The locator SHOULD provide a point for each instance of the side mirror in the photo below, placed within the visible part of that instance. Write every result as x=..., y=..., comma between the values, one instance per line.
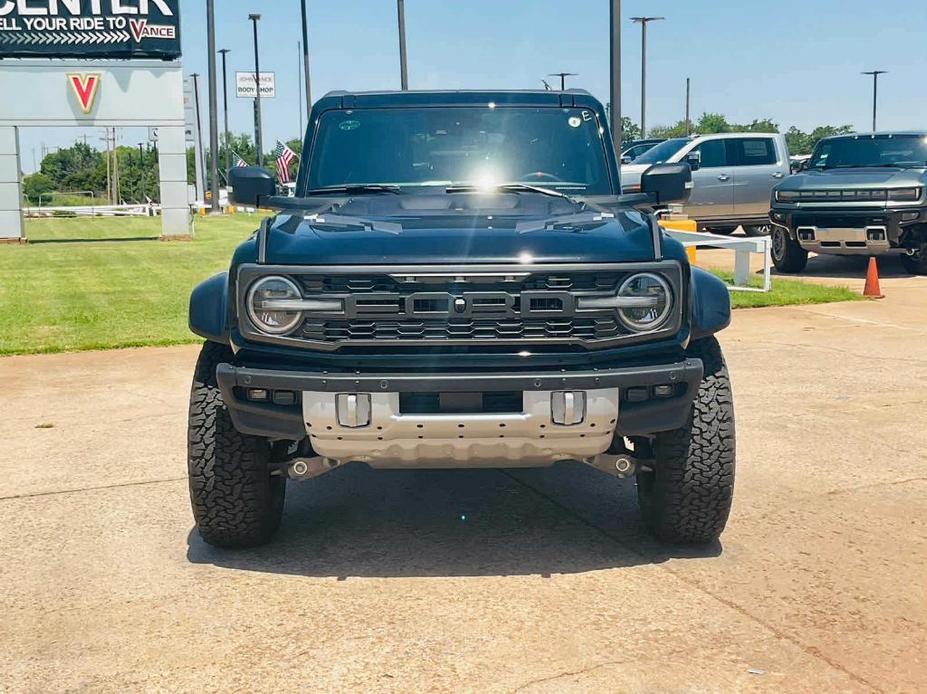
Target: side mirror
x=694, y=160
x=625, y=159
x=248, y=184
x=667, y=183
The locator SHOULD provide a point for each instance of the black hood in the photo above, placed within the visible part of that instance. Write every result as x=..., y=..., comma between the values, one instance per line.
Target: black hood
x=459, y=230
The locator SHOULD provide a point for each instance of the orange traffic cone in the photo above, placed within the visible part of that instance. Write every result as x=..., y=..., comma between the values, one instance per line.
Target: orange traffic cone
x=872, y=288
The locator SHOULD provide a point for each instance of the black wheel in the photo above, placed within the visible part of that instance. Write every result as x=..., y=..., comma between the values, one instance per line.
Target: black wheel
x=236, y=502
x=758, y=229
x=723, y=231
x=916, y=264
x=787, y=255
x=685, y=498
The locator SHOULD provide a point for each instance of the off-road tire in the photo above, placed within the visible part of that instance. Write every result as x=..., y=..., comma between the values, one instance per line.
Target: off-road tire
x=685, y=497
x=787, y=255
x=236, y=502
x=917, y=264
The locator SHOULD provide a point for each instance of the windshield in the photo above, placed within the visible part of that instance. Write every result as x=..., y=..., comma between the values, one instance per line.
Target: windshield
x=560, y=148
x=663, y=151
x=870, y=150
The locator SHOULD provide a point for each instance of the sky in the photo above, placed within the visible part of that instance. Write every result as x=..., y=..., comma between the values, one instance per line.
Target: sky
x=797, y=62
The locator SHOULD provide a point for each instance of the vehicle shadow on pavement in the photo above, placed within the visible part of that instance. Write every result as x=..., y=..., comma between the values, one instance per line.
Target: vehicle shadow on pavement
x=357, y=522
x=847, y=267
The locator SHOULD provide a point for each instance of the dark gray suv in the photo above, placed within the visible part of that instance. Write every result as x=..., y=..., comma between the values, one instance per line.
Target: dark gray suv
x=856, y=195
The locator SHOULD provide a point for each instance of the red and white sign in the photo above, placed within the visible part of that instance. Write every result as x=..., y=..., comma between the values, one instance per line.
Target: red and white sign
x=85, y=88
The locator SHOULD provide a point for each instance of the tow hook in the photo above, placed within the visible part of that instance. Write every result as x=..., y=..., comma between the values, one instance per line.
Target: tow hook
x=309, y=468
x=621, y=466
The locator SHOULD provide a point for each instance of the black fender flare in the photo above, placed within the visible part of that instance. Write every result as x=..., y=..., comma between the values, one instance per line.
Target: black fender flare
x=711, y=304
x=209, y=315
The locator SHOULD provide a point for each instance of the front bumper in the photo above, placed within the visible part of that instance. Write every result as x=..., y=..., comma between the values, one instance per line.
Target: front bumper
x=849, y=231
x=615, y=406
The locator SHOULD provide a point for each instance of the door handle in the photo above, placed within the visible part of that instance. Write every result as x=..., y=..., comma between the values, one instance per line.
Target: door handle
x=723, y=177
x=778, y=174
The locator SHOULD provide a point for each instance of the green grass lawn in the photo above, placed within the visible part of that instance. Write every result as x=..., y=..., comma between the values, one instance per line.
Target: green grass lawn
x=77, y=286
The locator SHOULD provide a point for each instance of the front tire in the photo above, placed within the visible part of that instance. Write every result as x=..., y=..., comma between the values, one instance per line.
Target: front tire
x=916, y=264
x=236, y=502
x=685, y=498
x=787, y=255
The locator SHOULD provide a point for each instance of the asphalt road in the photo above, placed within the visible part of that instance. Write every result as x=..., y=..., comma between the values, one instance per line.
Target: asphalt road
x=485, y=580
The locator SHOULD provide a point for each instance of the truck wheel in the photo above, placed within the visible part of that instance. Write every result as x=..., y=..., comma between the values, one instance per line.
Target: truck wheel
x=787, y=255
x=236, y=502
x=916, y=264
x=722, y=231
x=685, y=498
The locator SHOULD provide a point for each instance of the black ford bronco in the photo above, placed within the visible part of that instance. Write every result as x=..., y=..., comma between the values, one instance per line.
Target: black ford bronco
x=857, y=195
x=459, y=283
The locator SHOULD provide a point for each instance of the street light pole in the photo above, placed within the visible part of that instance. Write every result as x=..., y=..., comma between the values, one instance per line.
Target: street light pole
x=258, y=137
x=688, y=102
x=875, y=93
x=615, y=64
x=213, y=105
x=225, y=109
x=643, y=21
x=403, y=60
x=306, y=61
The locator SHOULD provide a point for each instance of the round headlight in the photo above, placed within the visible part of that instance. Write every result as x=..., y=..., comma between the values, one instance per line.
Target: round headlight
x=654, y=298
x=264, y=308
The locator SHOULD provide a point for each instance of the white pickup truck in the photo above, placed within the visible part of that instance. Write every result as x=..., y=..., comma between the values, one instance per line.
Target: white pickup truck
x=733, y=176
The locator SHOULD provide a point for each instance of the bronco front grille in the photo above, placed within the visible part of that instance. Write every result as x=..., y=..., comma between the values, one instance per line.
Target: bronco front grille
x=472, y=305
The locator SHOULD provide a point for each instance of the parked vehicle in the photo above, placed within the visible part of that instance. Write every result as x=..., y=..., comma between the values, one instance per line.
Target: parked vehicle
x=857, y=195
x=633, y=149
x=733, y=177
x=458, y=284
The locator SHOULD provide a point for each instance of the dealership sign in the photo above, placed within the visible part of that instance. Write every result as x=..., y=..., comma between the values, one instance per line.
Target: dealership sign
x=85, y=89
x=244, y=85
x=90, y=29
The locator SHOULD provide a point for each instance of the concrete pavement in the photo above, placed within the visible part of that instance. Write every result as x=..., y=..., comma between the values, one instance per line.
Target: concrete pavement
x=484, y=580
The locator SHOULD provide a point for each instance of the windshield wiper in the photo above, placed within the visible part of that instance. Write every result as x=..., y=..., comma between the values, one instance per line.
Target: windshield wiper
x=510, y=188
x=355, y=189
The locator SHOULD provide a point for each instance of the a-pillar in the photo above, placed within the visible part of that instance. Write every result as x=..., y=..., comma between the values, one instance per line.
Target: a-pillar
x=172, y=161
x=11, y=193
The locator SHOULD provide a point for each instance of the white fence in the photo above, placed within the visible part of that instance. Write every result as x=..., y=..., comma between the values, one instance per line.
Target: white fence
x=94, y=211
x=742, y=247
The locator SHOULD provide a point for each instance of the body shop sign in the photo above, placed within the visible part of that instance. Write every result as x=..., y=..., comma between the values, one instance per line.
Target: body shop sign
x=90, y=29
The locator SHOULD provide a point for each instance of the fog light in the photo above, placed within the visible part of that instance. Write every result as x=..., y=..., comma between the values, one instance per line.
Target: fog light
x=875, y=235
x=664, y=391
x=568, y=408
x=284, y=397
x=353, y=409
x=806, y=234
x=258, y=394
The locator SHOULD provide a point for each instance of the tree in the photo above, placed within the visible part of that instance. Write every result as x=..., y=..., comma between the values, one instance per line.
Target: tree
x=678, y=129
x=803, y=143
x=630, y=130
x=38, y=188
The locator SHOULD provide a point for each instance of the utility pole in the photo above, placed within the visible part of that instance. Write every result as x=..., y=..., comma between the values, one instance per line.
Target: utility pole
x=225, y=110
x=141, y=169
x=300, y=71
x=403, y=60
x=875, y=93
x=258, y=137
x=306, y=61
x=563, y=76
x=688, y=102
x=643, y=21
x=198, y=149
x=213, y=106
x=615, y=65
